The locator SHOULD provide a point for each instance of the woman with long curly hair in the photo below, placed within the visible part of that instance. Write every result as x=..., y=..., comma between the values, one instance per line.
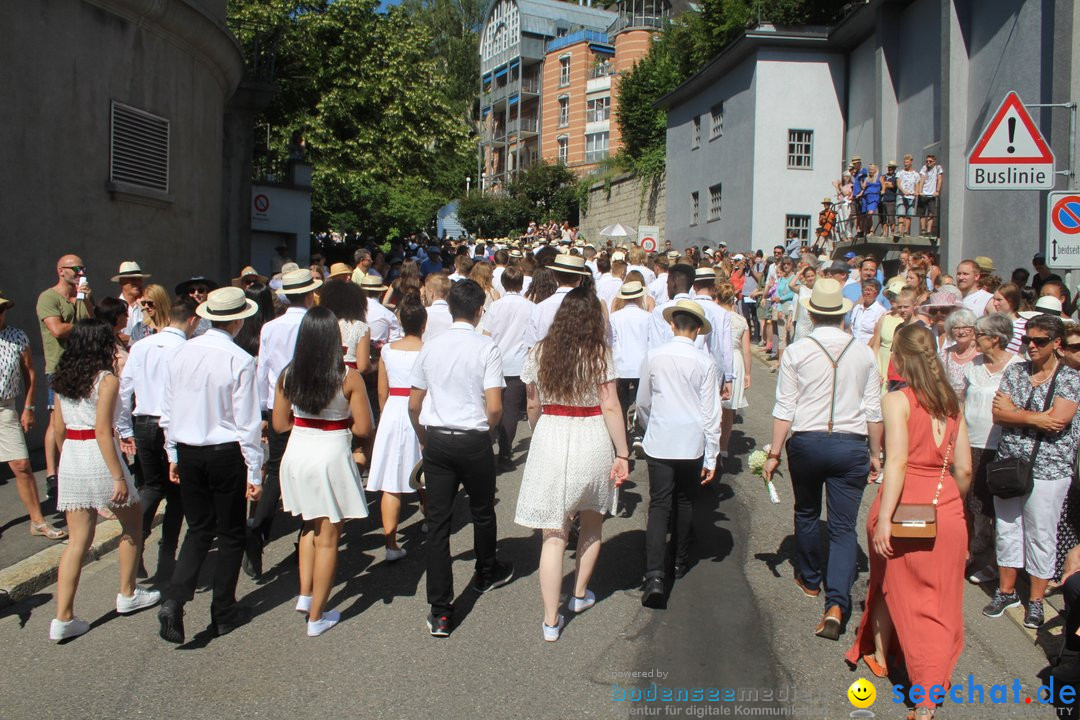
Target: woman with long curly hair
x=482, y=273
x=347, y=302
x=578, y=452
x=406, y=283
x=914, y=605
x=92, y=474
x=544, y=284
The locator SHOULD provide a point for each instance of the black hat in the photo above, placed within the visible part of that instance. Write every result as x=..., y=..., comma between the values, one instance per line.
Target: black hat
x=182, y=288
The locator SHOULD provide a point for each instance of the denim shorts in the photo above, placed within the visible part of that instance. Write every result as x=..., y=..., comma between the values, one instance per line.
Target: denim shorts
x=52, y=395
x=905, y=206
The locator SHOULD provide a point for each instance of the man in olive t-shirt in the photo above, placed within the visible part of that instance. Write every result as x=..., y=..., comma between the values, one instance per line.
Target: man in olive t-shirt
x=58, y=309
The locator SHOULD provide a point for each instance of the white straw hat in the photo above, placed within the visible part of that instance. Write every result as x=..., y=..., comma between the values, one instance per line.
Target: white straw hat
x=573, y=264
x=227, y=303
x=631, y=290
x=688, y=306
x=298, y=282
x=129, y=269
x=827, y=299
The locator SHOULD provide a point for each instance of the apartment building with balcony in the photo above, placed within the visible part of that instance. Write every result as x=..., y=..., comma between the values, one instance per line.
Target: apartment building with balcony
x=550, y=81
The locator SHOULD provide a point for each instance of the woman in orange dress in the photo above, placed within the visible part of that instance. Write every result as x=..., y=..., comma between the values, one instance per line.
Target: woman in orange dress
x=914, y=605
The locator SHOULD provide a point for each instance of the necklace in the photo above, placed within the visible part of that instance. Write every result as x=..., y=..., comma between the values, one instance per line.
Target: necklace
x=1047, y=372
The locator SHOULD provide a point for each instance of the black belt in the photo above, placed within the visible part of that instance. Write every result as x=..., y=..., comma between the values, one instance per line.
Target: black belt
x=453, y=431
x=827, y=434
x=147, y=418
x=212, y=448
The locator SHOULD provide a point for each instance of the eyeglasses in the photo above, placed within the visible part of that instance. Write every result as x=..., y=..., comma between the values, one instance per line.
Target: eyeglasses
x=147, y=304
x=1071, y=347
x=198, y=291
x=963, y=330
x=75, y=268
x=1040, y=342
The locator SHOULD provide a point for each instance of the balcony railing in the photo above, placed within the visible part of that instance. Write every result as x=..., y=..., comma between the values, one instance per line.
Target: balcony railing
x=604, y=69
x=592, y=36
x=531, y=85
x=523, y=125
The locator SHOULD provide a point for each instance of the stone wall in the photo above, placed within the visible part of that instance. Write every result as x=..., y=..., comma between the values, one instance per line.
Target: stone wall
x=623, y=202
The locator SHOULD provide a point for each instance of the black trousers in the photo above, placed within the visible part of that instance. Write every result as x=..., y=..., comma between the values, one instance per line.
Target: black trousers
x=673, y=487
x=513, y=400
x=150, y=444
x=451, y=462
x=267, y=507
x=749, y=311
x=213, y=484
x=1071, y=591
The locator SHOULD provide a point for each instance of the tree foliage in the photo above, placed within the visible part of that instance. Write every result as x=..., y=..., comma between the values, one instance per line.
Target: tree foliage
x=546, y=191
x=386, y=143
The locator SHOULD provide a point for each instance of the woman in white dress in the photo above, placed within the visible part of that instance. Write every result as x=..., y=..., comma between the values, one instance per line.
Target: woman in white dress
x=740, y=362
x=578, y=453
x=397, y=449
x=804, y=283
x=346, y=300
x=92, y=474
x=320, y=401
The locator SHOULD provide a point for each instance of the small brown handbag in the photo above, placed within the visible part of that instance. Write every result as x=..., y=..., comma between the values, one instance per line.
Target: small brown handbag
x=918, y=521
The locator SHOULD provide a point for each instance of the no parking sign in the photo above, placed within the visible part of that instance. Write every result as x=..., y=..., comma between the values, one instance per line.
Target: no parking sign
x=1062, y=229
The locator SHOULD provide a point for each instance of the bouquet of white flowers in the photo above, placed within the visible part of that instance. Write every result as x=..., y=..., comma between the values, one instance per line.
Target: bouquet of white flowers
x=757, y=461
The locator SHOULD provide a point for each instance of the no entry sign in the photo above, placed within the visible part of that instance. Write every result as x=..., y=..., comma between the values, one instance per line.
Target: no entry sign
x=1062, y=247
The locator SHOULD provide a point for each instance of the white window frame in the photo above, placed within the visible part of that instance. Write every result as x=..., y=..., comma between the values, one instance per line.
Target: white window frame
x=716, y=199
x=800, y=149
x=716, y=121
x=596, y=155
x=564, y=70
x=800, y=224
x=564, y=149
x=590, y=109
x=564, y=111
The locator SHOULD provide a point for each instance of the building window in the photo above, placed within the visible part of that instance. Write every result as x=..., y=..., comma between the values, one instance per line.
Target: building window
x=564, y=149
x=696, y=137
x=596, y=147
x=714, y=202
x=800, y=149
x=564, y=110
x=798, y=224
x=716, y=115
x=598, y=110
x=695, y=208
x=564, y=71
x=139, y=148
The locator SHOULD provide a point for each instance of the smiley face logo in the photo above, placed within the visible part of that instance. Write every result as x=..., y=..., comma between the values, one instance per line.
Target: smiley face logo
x=861, y=694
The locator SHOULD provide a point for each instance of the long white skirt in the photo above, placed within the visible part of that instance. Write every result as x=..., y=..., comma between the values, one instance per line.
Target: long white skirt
x=738, y=400
x=319, y=478
x=396, y=451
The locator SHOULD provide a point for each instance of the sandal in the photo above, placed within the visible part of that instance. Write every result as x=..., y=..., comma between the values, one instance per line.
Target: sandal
x=878, y=670
x=48, y=531
x=106, y=514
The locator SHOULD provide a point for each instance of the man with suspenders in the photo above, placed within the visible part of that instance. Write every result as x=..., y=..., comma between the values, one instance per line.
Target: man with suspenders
x=828, y=396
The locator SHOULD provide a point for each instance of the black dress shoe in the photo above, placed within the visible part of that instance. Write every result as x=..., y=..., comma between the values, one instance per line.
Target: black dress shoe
x=681, y=569
x=171, y=617
x=501, y=575
x=653, y=596
x=240, y=616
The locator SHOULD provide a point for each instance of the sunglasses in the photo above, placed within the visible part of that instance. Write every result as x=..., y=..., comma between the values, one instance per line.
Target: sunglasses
x=1040, y=342
x=1071, y=347
x=75, y=268
x=147, y=304
x=198, y=291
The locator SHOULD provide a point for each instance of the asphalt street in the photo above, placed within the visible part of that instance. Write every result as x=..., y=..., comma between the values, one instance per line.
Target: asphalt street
x=736, y=626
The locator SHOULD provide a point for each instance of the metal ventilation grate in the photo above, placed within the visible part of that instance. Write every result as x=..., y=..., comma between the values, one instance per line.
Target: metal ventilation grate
x=139, y=152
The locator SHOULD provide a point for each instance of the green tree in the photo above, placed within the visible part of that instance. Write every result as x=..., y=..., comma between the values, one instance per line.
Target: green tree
x=546, y=191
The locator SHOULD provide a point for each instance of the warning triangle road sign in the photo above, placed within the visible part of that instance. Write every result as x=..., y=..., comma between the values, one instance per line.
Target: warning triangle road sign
x=1011, y=138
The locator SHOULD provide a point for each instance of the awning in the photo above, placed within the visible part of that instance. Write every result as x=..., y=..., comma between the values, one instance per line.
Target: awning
x=500, y=72
x=513, y=99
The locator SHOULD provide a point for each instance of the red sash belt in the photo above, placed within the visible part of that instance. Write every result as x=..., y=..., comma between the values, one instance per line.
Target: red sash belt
x=320, y=424
x=571, y=410
x=81, y=434
x=351, y=363
x=401, y=392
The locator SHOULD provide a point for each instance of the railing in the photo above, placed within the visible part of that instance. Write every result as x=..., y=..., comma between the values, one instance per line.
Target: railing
x=531, y=85
x=593, y=36
x=525, y=124
x=604, y=69
x=638, y=20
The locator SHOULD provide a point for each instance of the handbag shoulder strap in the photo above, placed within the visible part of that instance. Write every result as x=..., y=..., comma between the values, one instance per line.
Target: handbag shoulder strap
x=835, y=366
x=1046, y=406
x=945, y=463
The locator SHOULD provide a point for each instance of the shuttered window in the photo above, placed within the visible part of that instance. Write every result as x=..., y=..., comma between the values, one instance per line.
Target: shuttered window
x=139, y=148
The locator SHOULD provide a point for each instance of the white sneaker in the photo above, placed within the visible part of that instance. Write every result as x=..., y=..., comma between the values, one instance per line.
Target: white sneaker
x=139, y=599
x=328, y=620
x=551, y=634
x=303, y=604
x=983, y=576
x=394, y=554
x=581, y=604
x=62, y=630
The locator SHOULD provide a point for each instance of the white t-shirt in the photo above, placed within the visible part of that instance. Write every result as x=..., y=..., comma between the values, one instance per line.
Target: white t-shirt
x=906, y=180
x=930, y=179
x=977, y=301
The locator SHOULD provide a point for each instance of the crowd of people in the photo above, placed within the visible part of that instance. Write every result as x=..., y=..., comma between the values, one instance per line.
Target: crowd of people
x=955, y=393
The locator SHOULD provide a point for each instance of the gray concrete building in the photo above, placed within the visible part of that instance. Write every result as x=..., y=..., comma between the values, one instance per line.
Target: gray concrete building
x=112, y=125
x=910, y=76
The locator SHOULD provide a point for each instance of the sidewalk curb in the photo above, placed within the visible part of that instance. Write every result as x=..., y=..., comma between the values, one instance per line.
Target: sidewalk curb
x=29, y=575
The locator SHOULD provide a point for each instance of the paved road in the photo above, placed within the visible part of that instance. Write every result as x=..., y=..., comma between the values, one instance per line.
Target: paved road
x=735, y=622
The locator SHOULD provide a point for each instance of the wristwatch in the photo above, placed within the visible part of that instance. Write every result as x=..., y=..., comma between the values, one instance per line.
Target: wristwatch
x=31, y=408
